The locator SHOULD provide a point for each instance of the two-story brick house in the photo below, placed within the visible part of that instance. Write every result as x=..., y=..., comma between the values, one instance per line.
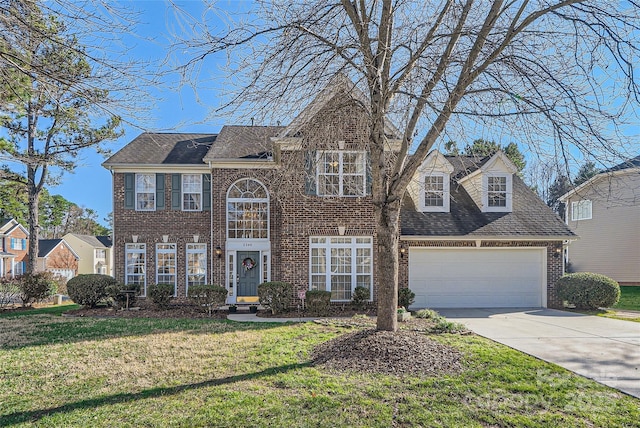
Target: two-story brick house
x=292, y=203
x=14, y=247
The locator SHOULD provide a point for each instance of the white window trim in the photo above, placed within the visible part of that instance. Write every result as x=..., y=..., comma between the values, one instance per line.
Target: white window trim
x=327, y=245
x=173, y=251
x=258, y=200
x=485, y=193
x=578, y=207
x=195, y=248
x=341, y=153
x=135, y=185
x=182, y=181
x=446, y=195
x=143, y=251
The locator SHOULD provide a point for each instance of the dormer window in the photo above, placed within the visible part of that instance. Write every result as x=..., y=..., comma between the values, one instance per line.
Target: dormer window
x=435, y=193
x=497, y=192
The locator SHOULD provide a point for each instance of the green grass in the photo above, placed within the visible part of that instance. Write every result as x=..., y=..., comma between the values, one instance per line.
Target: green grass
x=51, y=310
x=629, y=298
x=57, y=371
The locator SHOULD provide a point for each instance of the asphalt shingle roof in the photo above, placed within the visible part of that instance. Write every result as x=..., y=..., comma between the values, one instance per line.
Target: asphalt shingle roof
x=243, y=142
x=631, y=163
x=95, y=241
x=530, y=216
x=164, y=148
x=45, y=246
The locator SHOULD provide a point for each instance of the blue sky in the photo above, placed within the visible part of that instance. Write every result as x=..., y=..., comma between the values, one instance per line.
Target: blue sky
x=178, y=110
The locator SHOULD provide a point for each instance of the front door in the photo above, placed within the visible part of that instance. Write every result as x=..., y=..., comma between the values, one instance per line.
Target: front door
x=248, y=269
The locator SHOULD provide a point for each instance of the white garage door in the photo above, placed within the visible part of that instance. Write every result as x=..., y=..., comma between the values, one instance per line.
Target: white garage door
x=478, y=277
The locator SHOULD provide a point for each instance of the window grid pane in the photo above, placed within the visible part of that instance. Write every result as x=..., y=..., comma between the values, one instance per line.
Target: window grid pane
x=135, y=255
x=166, y=264
x=191, y=192
x=434, y=191
x=247, y=211
x=196, y=264
x=497, y=191
x=341, y=174
x=145, y=192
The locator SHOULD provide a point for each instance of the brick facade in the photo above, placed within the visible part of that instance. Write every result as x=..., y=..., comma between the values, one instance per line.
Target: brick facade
x=20, y=256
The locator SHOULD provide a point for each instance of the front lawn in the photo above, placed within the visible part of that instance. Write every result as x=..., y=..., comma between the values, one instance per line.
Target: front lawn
x=57, y=371
x=629, y=298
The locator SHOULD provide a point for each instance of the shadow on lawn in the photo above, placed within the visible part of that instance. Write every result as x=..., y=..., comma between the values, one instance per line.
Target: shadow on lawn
x=36, y=415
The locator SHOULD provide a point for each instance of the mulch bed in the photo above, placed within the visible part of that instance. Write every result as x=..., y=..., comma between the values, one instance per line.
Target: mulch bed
x=400, y=353
x=145, y=309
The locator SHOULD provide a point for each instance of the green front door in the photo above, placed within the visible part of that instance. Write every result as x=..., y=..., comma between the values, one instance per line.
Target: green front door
x=248, y=269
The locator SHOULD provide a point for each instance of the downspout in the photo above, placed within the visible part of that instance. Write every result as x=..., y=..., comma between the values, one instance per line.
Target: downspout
x=212, y=252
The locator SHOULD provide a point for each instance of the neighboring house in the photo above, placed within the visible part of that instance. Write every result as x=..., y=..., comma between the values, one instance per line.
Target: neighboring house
x=254, y=204
x=95, y=252
x=57, y=257
x=14, y=247
x=605, y=212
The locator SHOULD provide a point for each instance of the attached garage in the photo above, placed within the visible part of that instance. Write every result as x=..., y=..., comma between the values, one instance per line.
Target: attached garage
x=478, y=277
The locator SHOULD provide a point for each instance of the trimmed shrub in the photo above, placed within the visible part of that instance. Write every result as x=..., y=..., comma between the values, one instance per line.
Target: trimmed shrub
x=119, y=293
x=275, y=295
x=360, y=298
x=208, y=297
x=406, y=297
x=318, y=302
x=90, y=289
x=36, y=287
x=9, y=291
x=161, y=294
x=427, y=314
x=443, y=325
x=588, y=290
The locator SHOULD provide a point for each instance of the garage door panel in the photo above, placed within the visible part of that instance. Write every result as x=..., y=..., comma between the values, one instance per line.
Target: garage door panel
x=503, y=277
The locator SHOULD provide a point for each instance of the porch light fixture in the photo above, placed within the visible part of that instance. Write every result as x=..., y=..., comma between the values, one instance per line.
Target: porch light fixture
x=218, y=252
x=134, y=238
x=402, y=251
x=557, y=252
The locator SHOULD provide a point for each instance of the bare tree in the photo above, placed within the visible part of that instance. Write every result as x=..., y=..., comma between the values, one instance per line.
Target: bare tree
x=541, y=71
x=63, y=89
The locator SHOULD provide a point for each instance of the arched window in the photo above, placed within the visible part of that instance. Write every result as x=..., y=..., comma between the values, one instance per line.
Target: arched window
x=247, y=210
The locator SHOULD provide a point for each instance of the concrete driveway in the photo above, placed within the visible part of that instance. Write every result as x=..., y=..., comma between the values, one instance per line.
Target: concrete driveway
x=602, y=349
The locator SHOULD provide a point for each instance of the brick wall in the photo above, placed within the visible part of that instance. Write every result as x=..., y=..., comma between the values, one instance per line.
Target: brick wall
x=150, y=226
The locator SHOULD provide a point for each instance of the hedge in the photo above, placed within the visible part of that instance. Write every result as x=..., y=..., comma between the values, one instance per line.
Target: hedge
x=275, y=295
x=588, y=290
x=90, y=289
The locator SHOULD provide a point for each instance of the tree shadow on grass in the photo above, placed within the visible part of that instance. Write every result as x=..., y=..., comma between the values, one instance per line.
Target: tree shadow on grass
x=36, y=415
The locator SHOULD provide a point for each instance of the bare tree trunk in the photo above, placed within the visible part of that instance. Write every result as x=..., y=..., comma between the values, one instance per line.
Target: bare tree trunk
x=34, y=195
x=388, y=233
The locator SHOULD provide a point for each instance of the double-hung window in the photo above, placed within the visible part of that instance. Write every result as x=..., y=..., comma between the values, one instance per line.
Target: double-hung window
x=340, y=264
x=341, y=173
x=18, y=244
x=192, y=192
x=135, y=266
x=101, y=253
x=498, y=192
x=581, y=210
x=145, y=192
x=435, y=192
x=196, y=264
x=166, y=264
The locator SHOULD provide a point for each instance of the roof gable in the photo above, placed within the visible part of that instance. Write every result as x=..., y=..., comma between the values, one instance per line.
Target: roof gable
x=7, y=226
x=243, y=142
x=436, y=162
x=47, y=246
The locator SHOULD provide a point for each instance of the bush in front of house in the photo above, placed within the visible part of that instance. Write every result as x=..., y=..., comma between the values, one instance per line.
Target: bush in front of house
x=318, y=302
x=207, y=297
x=161, y=294
x=9, y=291
x=275, y=295
x=121, y=295
x=406, y=297
x=360, y=297
x=588, y=290
x=90, y=289
x=36, y=287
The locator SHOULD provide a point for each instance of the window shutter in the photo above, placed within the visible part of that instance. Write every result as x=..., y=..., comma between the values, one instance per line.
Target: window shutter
x=24, y=244
x=368, y=174
x=129, y=191
x=13, y=243
x=176, y=191
x=159, y=191
x=206, y=192
x=310, y=173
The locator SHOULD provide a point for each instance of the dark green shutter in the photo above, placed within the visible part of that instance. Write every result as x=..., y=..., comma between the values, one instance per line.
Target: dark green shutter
x=368, y=172
x=176, y=191
x=310, y=173
x=206, y=192
x=159, y=191
x=129, y=191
